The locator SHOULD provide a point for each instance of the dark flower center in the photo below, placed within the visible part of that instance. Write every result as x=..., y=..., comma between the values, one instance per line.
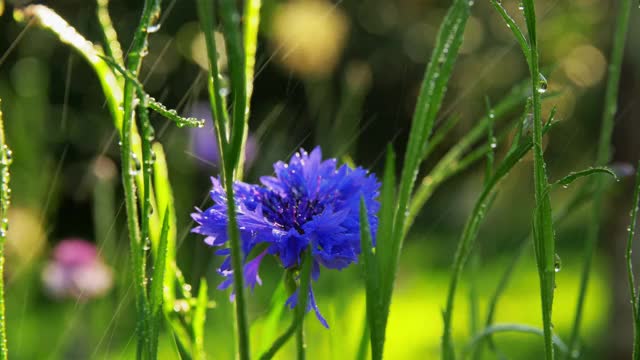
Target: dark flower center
x=289, y=212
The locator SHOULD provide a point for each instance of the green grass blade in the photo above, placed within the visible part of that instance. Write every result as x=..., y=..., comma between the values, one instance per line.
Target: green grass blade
x=451, y=163
x=165, y=205
x=272, y=320
x=206, y=14
x=602, y=158
x=429, y=101
x=633, y=221
x=515, y=29
x=155, y=295
x=567, y=180
x=251, y=25
x=544, y=237
x=199, y=318
x=109, y=36
x=5, y=200
x=387, y=209
x=134, y=60
x=372, y=282
x=518, y=328
x=235, y=53
x=300, y=310
x=468, y=236
x=577, y=201
x=440, y=134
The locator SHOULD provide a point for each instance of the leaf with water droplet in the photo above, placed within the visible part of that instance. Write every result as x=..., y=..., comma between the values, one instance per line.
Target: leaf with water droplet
x=567, y=180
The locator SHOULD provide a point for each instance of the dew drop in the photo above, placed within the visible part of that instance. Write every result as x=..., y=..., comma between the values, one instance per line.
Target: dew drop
x=542, y=84
x=153, y=28
x=557, y=264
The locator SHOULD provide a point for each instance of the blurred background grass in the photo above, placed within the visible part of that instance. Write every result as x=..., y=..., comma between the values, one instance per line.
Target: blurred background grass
x=344, y=75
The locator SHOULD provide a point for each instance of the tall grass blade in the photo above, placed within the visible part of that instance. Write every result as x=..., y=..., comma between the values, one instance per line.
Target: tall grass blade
x=155, y=295
x=581, y=197
x=602, y=158
x=633, y=214
x=372, y=281
x=199, y=318
x=452, y=162
x=469, y=234
x=429, y=101
x=109, y=35
x=5, y=200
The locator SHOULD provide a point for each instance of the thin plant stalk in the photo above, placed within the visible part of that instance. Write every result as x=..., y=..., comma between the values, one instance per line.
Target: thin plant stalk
x=134, y=60
x=633, y=214
x=5, y=191
x=298, y=319
x=544, y=241
x=231, y=138
x=602, y=158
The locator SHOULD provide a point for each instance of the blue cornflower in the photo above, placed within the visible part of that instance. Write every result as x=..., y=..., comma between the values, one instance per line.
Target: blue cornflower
x=309, y=203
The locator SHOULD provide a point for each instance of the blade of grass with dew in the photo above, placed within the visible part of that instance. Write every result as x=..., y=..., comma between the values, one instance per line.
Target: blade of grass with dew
x=432, y=91
x=633, y=221
x=199, y=317
x=569, y=208
x=602, y=158
x=150, y=11
x=450, y=163
x=469, y=235
x=49, y=20
x=111, y=85
x=150, y=102
x=109, y=35
x=300, y=310
x=235, y=147
x=440, y=134
x=372, y=282
x=155, y=294
x=165, y=204
x=517, y=328
x=567, y=180
x=5, y=200
x=206, y=14
x=543, y=234
x=374, y=319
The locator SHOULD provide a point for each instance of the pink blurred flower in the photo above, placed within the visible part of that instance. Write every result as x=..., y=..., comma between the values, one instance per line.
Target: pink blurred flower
x=76, y=271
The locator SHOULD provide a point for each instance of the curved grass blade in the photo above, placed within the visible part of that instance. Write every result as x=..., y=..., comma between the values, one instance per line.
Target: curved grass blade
x=109, y=35
x=567, y=180
x=519, y=328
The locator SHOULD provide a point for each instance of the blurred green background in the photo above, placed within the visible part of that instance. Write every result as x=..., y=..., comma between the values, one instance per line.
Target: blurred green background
x=344, y=75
